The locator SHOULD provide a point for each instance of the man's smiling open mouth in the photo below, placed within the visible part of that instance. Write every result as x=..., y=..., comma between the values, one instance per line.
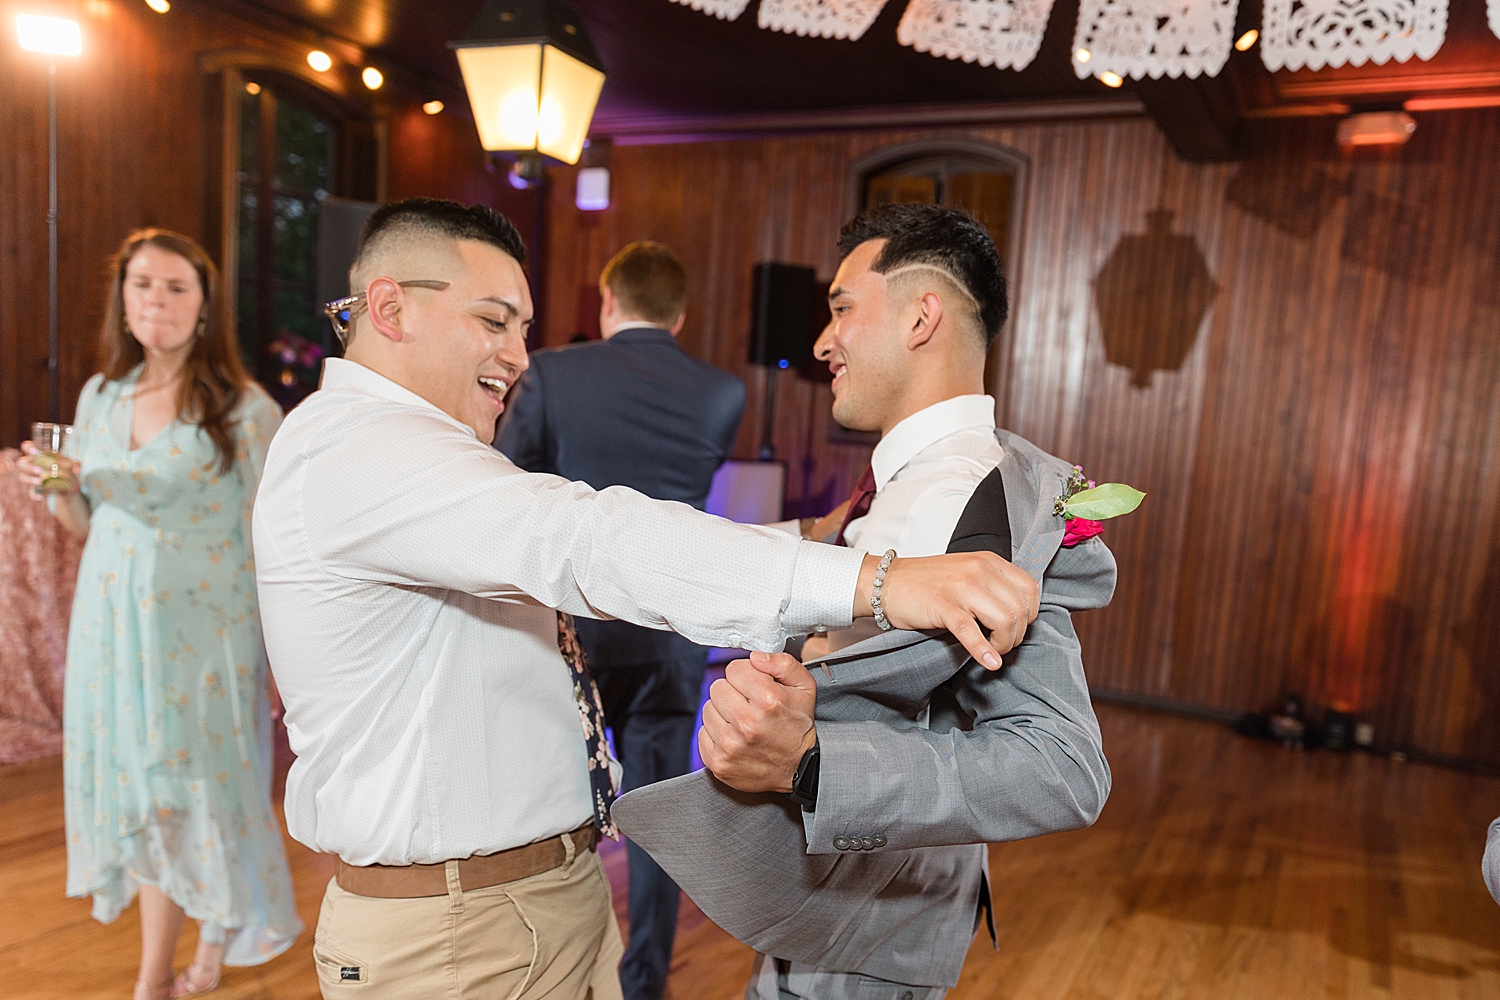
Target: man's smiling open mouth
x=494, y=388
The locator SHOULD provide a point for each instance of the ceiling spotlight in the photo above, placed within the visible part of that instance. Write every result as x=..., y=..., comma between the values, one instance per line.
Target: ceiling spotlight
x=372, y=77
x=433, y=107
x=252, y=88
x=1110, y=79
x=160, y=6
x=320, y=60
x=1376, y=128
x=1083, y=55
x=1249, y=38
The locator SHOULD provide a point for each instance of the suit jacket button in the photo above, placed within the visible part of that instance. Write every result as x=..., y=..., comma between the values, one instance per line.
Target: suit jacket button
x=841, y=843
x=867, y=843
x=907, y=995
x=879, y=840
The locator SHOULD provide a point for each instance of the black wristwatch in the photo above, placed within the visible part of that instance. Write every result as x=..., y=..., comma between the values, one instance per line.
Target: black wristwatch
x=805, y=782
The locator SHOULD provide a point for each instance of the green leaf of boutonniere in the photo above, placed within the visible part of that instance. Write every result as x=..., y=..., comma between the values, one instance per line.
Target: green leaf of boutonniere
x=1103, y=502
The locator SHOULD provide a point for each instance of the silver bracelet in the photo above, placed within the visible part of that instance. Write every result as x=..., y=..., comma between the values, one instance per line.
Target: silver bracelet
x=876, y=603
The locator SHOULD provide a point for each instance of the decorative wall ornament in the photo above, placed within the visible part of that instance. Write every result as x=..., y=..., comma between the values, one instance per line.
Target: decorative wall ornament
x=1154, y=38
x=1312, y=34
x=999, y=33
x=822, y=18
x=724, y=10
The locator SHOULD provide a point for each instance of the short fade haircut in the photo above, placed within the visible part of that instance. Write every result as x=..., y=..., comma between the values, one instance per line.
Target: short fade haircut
x=948, y=239
x=438, y=217
x=648, y=281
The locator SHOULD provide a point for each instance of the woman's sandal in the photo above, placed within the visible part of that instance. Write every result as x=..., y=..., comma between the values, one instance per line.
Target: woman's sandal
x=184, y=985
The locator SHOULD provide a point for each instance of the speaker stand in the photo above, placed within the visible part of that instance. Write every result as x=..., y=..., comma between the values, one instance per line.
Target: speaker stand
x=768, y=422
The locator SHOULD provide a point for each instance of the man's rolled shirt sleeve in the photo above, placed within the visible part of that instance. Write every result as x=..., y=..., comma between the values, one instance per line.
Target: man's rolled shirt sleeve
x=1032, y=764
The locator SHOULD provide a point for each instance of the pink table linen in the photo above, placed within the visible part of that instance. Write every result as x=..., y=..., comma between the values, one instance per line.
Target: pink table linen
x=38, y=569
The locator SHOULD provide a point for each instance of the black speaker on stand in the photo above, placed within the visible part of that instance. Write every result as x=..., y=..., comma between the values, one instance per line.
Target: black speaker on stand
x=781, y=330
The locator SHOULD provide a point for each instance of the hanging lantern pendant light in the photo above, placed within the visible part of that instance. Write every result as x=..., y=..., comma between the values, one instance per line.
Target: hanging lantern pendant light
x=532, y=75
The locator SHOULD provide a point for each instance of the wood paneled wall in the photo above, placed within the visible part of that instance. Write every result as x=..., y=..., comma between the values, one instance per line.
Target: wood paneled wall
x=1297, y=357
x=136, y=135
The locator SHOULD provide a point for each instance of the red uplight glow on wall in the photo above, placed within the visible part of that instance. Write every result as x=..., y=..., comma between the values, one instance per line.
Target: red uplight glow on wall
x=1367, y=585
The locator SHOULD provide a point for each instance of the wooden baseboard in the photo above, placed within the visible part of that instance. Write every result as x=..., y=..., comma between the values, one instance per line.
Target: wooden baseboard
x=1227, y=716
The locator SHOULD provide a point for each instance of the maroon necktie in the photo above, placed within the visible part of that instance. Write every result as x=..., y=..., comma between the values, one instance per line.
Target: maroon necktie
x=859, y=502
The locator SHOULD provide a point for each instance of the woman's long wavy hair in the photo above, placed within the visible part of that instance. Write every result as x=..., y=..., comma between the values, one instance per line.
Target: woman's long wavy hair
x=213, y=378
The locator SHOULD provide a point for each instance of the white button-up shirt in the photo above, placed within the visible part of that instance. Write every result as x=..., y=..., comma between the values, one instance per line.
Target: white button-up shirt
x=407, y=573
x=926, y=470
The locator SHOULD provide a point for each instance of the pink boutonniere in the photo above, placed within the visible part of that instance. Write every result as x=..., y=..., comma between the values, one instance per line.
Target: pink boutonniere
x=1084, y=505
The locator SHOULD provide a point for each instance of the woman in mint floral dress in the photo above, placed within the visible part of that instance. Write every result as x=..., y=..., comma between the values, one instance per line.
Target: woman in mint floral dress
x=167, y=746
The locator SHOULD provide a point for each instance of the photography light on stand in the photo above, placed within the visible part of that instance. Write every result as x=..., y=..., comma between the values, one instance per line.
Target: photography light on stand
x=52, y=36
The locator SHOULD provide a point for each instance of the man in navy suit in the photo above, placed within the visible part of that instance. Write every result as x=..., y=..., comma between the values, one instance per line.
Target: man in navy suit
x=635, y=410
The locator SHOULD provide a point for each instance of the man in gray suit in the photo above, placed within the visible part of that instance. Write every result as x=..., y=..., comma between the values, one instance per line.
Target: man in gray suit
x=841, y=831
x=1492, y=861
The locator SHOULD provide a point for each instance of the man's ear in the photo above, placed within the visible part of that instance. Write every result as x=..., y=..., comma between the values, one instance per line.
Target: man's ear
x=927, y=316
x=385, y=299
x=676, y=326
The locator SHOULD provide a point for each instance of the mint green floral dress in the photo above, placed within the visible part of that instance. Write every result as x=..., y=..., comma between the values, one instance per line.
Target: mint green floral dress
x=166, y=727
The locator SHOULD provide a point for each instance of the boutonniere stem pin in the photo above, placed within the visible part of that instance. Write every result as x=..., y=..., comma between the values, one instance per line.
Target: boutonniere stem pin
x=1085, y=504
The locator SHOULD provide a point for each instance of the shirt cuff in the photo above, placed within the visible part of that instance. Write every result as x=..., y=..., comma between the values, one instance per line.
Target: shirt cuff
x=823, y=586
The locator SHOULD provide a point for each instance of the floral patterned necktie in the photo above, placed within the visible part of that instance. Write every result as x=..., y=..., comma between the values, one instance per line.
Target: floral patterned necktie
x=591, y=714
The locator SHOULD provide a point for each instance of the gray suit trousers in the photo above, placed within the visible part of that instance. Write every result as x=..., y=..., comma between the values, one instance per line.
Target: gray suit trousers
x=778, y=979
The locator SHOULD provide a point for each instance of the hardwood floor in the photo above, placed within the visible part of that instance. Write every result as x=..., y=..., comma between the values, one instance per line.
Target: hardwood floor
x=1221, y=868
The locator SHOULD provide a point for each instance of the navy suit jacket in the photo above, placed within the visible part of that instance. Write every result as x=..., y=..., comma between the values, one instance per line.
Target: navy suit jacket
x=635, y=410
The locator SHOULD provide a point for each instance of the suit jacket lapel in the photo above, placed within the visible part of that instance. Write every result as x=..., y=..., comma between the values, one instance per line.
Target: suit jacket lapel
x=984, y=525
x=1040, y=531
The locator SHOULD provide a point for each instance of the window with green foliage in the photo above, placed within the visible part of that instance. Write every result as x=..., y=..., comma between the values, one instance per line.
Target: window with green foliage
x=286, y=166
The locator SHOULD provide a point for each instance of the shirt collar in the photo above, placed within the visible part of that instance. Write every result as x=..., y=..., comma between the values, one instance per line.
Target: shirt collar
x=925, y=428
x=639, y=330
x=341, y=373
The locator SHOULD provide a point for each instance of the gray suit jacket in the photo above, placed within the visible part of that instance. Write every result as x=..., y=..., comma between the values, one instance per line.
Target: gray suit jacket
x=1006, y=755
x=1492, y=861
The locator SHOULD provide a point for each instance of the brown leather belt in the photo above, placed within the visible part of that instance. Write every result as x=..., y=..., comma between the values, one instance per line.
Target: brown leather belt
x=411, y=881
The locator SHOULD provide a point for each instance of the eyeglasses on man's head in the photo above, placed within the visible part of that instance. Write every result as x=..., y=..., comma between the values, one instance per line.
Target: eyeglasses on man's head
x=341, y=312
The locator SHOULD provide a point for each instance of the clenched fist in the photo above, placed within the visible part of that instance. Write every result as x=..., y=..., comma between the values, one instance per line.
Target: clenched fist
x=758, y=722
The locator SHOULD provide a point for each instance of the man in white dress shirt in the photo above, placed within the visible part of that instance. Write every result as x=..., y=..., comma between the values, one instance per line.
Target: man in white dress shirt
x=448, y=741
x=916, y=302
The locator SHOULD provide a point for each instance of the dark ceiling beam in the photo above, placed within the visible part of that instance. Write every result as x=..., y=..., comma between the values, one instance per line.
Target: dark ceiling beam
x=1197, y=116
x=644, y=129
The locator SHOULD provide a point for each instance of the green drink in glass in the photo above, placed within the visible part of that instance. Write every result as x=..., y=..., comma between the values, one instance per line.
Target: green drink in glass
x=50, y=440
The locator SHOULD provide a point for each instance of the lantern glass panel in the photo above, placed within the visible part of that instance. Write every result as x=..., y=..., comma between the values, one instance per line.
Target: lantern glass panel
x=570, y=89
x=502, y=84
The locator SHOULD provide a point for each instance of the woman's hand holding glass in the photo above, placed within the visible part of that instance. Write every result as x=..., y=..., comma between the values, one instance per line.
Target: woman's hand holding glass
x=47, y=473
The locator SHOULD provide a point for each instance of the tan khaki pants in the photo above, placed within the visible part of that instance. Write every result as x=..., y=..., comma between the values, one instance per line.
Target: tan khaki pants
x=551, y=935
